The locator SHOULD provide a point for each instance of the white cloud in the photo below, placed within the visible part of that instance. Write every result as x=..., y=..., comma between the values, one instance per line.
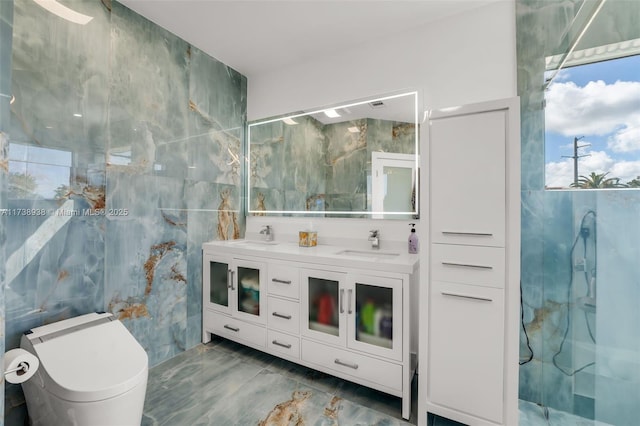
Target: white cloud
x=597, y=161
x=625, y=170
x=595, y=109
x=559, y=175
x=625, y=140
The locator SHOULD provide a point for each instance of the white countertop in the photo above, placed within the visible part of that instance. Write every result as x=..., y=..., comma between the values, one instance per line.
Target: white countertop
x=378, y=260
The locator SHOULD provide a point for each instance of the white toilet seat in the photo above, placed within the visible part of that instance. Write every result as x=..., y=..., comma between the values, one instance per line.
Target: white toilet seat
x=91, y=361
x=92, y=372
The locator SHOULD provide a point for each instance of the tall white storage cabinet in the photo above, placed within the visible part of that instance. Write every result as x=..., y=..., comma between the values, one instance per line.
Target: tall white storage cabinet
x=469, y=348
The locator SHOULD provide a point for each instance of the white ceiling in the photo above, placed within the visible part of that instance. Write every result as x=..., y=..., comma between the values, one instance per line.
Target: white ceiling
x=261, y=36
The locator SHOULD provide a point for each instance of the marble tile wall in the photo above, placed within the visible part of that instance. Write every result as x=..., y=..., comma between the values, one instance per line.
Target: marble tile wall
x=124, y=148
x=550, y=227
x=6, y=30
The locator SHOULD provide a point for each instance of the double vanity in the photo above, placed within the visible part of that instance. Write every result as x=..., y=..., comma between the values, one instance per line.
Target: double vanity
x=341, y=311
x=352, y=310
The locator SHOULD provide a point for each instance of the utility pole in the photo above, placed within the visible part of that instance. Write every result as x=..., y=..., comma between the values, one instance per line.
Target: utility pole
x=575, y=157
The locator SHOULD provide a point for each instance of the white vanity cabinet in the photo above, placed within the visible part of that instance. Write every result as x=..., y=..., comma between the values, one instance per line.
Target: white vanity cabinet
x=234, y=293
x=343, y=315
x=469, y=359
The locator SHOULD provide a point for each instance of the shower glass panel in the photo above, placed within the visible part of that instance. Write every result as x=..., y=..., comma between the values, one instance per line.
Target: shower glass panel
x=580, y=340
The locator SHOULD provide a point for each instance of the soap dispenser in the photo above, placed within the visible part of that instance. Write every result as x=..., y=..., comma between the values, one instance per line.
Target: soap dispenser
x=413, y=239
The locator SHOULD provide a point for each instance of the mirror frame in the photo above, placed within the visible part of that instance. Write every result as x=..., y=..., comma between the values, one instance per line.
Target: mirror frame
x=342, y=213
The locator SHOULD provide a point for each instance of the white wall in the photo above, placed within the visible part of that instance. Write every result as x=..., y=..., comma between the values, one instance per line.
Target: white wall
x=463, y=59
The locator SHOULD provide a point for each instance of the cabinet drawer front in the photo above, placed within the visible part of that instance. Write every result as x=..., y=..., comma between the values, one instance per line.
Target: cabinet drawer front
x=483, y=266
x=351, y=364
x=237, y=330
x=466, y=348
x=283, y=280
x=284, y=344
x=284, y=315
x=467, y=209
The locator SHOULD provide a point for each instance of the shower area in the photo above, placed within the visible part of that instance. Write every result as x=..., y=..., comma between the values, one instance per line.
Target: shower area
x=580, y=277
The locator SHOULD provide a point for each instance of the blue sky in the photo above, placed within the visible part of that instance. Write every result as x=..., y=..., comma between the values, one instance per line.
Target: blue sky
x=599, y=102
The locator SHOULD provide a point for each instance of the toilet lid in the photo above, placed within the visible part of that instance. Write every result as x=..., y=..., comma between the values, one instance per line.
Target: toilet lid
x=93, y=363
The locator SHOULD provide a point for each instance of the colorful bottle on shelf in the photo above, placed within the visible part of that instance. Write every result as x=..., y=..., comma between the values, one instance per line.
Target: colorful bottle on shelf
x=325, y=309
x=368, y=316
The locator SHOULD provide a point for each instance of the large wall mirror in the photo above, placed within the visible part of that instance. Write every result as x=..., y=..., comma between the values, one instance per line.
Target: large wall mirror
x=357, y=159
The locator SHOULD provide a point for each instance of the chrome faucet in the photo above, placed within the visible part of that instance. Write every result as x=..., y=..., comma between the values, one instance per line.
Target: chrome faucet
x=267, y=231
x=374, y=237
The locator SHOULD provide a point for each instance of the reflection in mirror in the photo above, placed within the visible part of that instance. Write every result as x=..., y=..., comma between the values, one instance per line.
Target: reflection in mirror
x=393, y=181
x=353, y=160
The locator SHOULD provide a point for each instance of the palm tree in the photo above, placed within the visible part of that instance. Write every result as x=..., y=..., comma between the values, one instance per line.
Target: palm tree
x=598, y=180
x=634, y=183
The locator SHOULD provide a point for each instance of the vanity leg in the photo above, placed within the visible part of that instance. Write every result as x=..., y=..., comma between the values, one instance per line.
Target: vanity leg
x=406, y=397
x=206, y=337
x=406, y=406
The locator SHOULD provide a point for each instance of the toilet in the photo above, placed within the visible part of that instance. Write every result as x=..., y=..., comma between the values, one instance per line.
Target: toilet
x=92, y=372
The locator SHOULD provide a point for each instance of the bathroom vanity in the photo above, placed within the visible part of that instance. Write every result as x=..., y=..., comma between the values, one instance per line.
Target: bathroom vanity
x=340, y=311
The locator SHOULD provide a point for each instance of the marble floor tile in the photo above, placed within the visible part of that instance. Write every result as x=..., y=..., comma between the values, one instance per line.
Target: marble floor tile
x=223, y=383
x=227, y=384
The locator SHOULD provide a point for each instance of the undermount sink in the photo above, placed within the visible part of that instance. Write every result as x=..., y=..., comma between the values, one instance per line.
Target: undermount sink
x=368, y=253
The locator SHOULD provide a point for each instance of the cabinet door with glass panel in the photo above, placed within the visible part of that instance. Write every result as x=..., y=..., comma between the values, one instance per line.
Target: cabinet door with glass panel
x=235, y=286
x=356, y=311
x=323, y=306
x=374, y=315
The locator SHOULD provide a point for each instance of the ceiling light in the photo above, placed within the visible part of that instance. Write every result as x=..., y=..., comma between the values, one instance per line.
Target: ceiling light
x=77, y=115
x=331, y=113
x=289, y=121
x=354, y=129
x=64, y=12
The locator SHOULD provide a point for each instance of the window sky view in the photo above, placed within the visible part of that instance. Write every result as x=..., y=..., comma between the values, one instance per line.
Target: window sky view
x=599, y=103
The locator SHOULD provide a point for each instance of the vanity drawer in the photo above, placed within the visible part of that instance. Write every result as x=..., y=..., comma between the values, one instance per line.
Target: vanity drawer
x=348, y=363
x=237, y=330
x=283, y=280
x=473, y=265
x=283, y=344
x=283, y=315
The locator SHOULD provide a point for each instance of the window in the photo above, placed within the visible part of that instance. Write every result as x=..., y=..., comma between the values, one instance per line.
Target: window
x=592, y=126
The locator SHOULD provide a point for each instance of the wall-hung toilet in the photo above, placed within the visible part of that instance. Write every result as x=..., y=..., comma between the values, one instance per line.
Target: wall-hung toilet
x=92, y=372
